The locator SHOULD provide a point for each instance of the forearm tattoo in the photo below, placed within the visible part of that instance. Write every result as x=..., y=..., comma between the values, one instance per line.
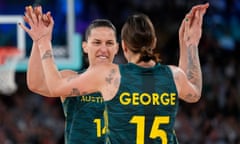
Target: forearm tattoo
x=47, y=54
x=193, y=67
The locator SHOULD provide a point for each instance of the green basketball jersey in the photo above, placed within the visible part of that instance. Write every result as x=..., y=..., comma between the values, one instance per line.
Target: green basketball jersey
x=68, y=109
x=84, y=119
x=144, y=108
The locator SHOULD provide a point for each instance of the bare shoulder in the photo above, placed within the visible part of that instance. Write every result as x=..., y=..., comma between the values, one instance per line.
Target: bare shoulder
x=102, y=73
x=178, y=76
x=112, y=72
x=186, y=90
x=110, y=80
x=177, y=72
x=103, y=68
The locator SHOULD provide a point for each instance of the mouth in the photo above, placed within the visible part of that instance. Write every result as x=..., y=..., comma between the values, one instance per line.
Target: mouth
x=101, y=57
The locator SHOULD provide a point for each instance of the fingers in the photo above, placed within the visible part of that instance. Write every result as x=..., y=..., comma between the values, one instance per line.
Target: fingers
x=45, y=19
x=35, y=15
x=198, y=12
x=24, y=27
x=187, y=24
x=50, y=19
x=182, y=28
x=31, y=15
x=38, y=10
x=196, y=17
x=27, y=17
x=202, y=11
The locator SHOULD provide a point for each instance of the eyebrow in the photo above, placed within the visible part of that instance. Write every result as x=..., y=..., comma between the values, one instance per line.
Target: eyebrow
x=101, y=40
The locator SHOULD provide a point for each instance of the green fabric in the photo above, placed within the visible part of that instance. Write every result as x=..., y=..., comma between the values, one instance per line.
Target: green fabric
x=84, y=118
x=145, y=107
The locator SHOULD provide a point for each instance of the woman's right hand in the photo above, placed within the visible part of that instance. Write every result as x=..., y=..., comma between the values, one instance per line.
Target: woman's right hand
x=41, y=25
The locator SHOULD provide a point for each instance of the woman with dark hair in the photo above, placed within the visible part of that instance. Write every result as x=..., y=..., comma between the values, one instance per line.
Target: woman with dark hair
x=83, y=114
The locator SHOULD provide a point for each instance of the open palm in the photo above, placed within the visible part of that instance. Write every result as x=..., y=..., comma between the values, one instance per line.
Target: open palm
x=41, y=25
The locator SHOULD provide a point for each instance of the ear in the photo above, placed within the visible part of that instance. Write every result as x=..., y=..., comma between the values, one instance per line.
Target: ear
x=124, y=47
x=84, y=46
x=117, y=48
x=154, y=43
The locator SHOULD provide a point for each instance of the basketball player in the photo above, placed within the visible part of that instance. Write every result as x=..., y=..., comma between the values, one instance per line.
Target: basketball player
x=83, y=115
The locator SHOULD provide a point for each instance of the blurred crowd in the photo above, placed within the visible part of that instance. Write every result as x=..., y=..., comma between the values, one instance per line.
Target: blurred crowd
x=27, y=118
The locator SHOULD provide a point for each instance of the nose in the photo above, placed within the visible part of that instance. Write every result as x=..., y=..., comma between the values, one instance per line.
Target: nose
x=103, y=47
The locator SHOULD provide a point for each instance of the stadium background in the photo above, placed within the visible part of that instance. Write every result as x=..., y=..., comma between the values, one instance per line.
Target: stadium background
x=27, y=118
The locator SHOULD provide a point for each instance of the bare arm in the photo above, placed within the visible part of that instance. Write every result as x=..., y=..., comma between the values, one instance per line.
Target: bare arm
x=36, y=80
x=183, y=60
x=189, y=37
x=77, y=85
x=35, y=76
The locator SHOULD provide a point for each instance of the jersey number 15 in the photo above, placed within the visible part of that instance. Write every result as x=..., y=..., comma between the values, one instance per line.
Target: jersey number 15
x=154, y=133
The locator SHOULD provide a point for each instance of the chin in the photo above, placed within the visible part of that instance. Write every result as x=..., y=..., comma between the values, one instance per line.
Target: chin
x=103, y=60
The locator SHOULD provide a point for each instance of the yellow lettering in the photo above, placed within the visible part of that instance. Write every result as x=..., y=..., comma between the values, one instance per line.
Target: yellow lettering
x=146, y=98
x=155, y=99
x=173, y=98
x=164, y=100
x=123, y=100
x=135, y=98
x=94, y=99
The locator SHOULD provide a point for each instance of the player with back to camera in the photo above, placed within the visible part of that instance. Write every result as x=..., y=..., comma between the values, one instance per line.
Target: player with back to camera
x=83, y=115
x=141, y=97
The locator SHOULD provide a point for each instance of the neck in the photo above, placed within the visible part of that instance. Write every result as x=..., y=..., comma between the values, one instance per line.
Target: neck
x=148, y=64
x=134, y=59
x=151, y=63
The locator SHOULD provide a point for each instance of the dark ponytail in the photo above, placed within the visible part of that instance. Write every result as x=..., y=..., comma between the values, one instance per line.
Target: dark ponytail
x=139, y=35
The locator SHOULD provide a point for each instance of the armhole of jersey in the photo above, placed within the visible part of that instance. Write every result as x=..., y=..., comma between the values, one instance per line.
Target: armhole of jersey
x=170, y=73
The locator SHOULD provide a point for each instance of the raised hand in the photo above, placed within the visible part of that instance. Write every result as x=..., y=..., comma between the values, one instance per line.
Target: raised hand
x=41, y=25
x=191, y=29
x=190, y=33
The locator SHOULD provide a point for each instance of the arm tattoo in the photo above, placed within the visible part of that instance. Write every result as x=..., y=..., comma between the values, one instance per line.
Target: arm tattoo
x=47, y=54
x=191, y=97
x=194, y=70
x=74, y=92
x=110, y=76
x=116, y=82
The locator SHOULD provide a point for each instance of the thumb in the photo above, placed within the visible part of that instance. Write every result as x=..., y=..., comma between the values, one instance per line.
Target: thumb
x=24, y=27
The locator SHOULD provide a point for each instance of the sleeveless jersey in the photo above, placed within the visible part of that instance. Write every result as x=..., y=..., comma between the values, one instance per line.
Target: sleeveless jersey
x=68, y=109
x=144, y=108
x=84, y=122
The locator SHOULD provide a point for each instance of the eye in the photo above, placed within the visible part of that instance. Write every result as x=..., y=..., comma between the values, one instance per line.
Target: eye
x=110, y=43
x=96, y=43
